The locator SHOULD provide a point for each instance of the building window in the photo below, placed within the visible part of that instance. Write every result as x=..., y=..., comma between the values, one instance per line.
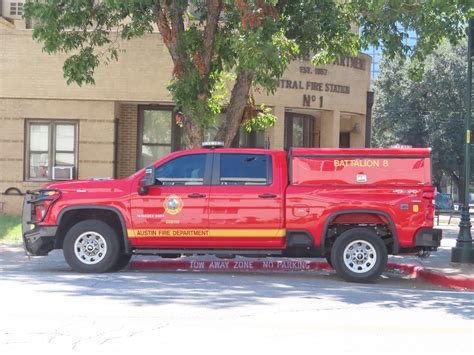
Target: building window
x=16, y=8
x=50, y=144
x=158, y=134
x=344, y=139
x=299, y=130
x=244, y=139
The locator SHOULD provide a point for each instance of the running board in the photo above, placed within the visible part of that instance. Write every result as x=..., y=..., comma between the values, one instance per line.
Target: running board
x=208, y=251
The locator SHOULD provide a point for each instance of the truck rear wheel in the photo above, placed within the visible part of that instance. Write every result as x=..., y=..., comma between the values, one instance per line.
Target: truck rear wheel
x=91, y=246
x=359, y=255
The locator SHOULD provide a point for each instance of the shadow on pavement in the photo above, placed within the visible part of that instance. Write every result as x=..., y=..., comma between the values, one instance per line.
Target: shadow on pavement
x=225, y=290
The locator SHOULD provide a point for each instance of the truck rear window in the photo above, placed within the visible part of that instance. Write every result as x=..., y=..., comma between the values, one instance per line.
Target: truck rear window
x=245, y=169
x=360, y=170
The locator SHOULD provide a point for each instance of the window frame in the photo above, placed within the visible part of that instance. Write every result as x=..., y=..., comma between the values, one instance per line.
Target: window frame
x=251, y=139
x=176, y=132
x=216, y=170
x=345, y=137
x=17, y=8
x=51, y=123
x=308, y=123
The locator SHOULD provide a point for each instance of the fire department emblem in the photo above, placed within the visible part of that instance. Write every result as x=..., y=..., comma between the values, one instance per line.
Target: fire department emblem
x=173, y=204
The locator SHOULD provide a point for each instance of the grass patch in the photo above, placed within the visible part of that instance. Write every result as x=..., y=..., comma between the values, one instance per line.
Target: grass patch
x=10, y=229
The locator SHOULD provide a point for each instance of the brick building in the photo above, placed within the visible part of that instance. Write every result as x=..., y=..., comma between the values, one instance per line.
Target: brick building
x=52, y=131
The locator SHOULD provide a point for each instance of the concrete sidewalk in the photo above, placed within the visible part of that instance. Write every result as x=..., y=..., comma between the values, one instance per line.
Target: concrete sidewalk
x=438, y=268
x=440, y=261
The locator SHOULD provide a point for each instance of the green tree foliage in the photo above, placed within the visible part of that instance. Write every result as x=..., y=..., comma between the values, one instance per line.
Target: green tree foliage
x=426, y=113
x=253, y=39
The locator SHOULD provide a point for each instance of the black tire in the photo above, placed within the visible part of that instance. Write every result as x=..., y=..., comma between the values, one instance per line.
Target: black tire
x=359, y=255
x=122, y=262
x=91, y=246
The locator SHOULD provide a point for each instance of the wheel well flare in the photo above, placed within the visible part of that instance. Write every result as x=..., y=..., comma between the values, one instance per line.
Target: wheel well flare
x=70, y=218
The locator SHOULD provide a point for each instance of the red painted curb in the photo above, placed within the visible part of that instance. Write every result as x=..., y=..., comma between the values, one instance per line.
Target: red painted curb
x=415, y=271
x=433, y=277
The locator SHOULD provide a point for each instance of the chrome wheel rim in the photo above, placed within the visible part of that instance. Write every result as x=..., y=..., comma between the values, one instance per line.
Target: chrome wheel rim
x=90, y=248
x=360, y=256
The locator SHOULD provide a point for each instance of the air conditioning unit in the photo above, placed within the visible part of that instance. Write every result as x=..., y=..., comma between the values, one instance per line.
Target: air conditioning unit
x=63, y=172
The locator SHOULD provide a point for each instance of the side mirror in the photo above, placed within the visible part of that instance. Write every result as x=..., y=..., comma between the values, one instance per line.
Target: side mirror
x=147, y=180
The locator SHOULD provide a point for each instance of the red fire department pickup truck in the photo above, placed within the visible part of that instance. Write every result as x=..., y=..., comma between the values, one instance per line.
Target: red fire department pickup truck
x=350, y=206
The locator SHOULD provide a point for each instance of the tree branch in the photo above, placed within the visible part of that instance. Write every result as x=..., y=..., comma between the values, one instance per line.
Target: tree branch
x=239, y=97
x=214, y=8
x=170, y=24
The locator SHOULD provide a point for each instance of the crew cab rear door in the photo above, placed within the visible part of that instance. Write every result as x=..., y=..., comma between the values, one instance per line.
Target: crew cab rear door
x=246, y=202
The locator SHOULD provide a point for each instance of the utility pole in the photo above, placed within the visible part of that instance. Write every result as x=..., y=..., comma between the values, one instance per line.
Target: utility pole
x=463, y=252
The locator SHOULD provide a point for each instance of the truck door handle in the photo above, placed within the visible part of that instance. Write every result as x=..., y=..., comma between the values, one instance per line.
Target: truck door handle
x=267, y=196
x=195, y=195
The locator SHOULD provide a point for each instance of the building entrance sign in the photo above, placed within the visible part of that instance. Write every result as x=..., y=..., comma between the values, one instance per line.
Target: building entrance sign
x=314, y=100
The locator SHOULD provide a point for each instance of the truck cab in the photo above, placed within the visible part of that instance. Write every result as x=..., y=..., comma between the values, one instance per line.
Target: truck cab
x=207, y=199
x=350, y=206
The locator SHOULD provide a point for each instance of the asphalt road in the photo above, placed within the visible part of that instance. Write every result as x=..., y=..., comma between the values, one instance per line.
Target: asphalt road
x=44, y=306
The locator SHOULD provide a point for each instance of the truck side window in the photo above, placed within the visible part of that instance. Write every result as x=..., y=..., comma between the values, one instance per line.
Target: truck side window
x=184, y=170
x=245, y=169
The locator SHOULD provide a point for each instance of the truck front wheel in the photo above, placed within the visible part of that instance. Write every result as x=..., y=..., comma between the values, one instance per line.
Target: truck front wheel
x=359, y=255
x=91, y=246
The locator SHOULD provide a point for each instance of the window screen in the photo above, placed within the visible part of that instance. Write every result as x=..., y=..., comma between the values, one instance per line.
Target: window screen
x=185, y=170
x=245, y=169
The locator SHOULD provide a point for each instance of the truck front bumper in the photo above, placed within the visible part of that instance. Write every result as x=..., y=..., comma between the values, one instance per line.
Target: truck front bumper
x=40, y=239
x=428, y=238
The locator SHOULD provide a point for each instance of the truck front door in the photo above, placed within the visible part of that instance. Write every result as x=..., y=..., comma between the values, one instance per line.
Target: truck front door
x=175, y=212
x=246, y=202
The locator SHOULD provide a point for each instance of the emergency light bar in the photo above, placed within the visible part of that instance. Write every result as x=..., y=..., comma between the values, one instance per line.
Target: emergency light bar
x=213, y=145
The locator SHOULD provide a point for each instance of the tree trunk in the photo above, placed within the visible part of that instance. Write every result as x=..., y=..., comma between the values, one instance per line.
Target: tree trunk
x=171, y=26
x=238, y=100
x=193, y=134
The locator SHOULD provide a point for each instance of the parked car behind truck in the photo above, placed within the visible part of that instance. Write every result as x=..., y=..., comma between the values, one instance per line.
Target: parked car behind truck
x=353, y=207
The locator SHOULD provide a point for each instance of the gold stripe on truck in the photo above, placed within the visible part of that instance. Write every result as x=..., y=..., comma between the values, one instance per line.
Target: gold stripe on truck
x=207, y=233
